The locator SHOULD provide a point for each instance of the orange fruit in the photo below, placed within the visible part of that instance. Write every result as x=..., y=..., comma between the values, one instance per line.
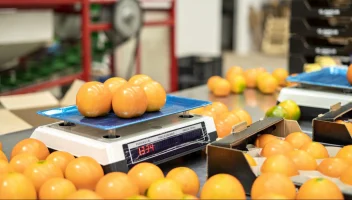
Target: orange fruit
x=317, y=150
x=165, y=189
x=349, y=74
x=137, y=197
x=224, y=123
x=5, y=168
x=93, y=99
x=275, y=183
x=222, y=88
x=345, y=153
x=297, y=139
x=197, y=111
x=275, y=147
x=189, y=197
x=250, y=159
x=139, y=79
x=243, y=115
x=212, y=82
x=84, y=194
x=346, y=176
x=279, y=164
x=267, y=84
x=0, y=146
x=251, y=78
x=156, y=95
x=129, y=101
x=332, y=167
x=187, y=178
x=113, y=83
x=293, y=110
x=144, y=174
x=33, y=146
x=84, y=172
x=3, y=156
x=261, y=75
x=14, y=185
x=116, y=185
x=56, y=188
x=217, y=108
x=280, y=74
x=233, y=71
x=21, y=161
x=302, y=160
x=222, y=186
x=264, y=139
x=260, y=69
x=238, y=84
x=42, y=171
x=60, y=159
x=271, y=196
x=209, y=114
x=319, y=188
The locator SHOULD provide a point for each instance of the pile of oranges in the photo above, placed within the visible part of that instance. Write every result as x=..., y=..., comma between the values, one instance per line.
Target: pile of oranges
x=237, y=80
x=224, y=119
x=127, y=99
x=34, y=173
x=297, y=152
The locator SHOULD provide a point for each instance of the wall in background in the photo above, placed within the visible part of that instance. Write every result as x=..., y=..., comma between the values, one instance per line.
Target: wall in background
x=198, y=32
x=243, y=40
x=198, y=27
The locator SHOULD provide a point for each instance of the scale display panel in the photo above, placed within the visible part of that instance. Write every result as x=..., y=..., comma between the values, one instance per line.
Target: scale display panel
x=163, y=146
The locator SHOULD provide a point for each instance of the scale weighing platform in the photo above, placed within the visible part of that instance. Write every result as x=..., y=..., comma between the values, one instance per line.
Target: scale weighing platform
x=118, y=144
x=318, y=90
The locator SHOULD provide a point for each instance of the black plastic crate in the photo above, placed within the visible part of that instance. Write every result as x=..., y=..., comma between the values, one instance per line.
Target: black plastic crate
x=319, y=8
x=321, y=27
x=194, y=71
x=297, y=61
x=318, y=46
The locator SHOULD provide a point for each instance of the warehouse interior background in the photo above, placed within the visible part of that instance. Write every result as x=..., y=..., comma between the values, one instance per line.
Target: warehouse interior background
x=227, y=32
x=49, y=49
x=175, y=99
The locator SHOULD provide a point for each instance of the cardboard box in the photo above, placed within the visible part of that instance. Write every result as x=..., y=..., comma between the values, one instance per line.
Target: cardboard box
x=20, y=111
x=226, y=155
x=326, y=130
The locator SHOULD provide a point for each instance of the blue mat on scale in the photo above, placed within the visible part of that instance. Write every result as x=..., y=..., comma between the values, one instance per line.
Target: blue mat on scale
x=333, y=77
x=173, y=105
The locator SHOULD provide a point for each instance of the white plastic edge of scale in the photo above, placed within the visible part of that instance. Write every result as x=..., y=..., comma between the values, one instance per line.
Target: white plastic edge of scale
x=310, y=98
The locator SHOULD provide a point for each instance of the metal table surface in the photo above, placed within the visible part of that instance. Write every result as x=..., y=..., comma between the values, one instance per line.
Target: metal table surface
x=252, y=101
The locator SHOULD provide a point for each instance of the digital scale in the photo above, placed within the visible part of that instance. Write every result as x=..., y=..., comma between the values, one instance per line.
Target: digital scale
x=318, y=90
x=119, y=144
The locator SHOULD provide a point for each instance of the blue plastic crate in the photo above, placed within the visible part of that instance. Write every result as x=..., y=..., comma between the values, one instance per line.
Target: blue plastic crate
x=333, y=77
x=173, y=105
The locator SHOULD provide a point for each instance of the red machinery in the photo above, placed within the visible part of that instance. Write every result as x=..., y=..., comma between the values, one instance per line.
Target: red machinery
x=86, y=29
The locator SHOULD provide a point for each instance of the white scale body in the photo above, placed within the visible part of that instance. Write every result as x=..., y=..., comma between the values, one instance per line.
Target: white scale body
x=155, y=141
x=314, y=99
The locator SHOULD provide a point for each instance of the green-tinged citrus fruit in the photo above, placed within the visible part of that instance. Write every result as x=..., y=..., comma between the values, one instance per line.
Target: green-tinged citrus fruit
x=292, y=108
x=238, y=84
x=277, y=111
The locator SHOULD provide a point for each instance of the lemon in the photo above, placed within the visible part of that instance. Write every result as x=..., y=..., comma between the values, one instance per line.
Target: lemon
x=238, y=84
x=277, y=111
x=292, y=108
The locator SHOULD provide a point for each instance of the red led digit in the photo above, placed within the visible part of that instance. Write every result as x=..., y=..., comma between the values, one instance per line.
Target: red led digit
x=151, y=147
x=141, y=151
x=147, y=148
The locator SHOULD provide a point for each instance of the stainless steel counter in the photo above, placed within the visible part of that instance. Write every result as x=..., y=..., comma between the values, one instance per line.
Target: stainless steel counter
x=252, y=101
